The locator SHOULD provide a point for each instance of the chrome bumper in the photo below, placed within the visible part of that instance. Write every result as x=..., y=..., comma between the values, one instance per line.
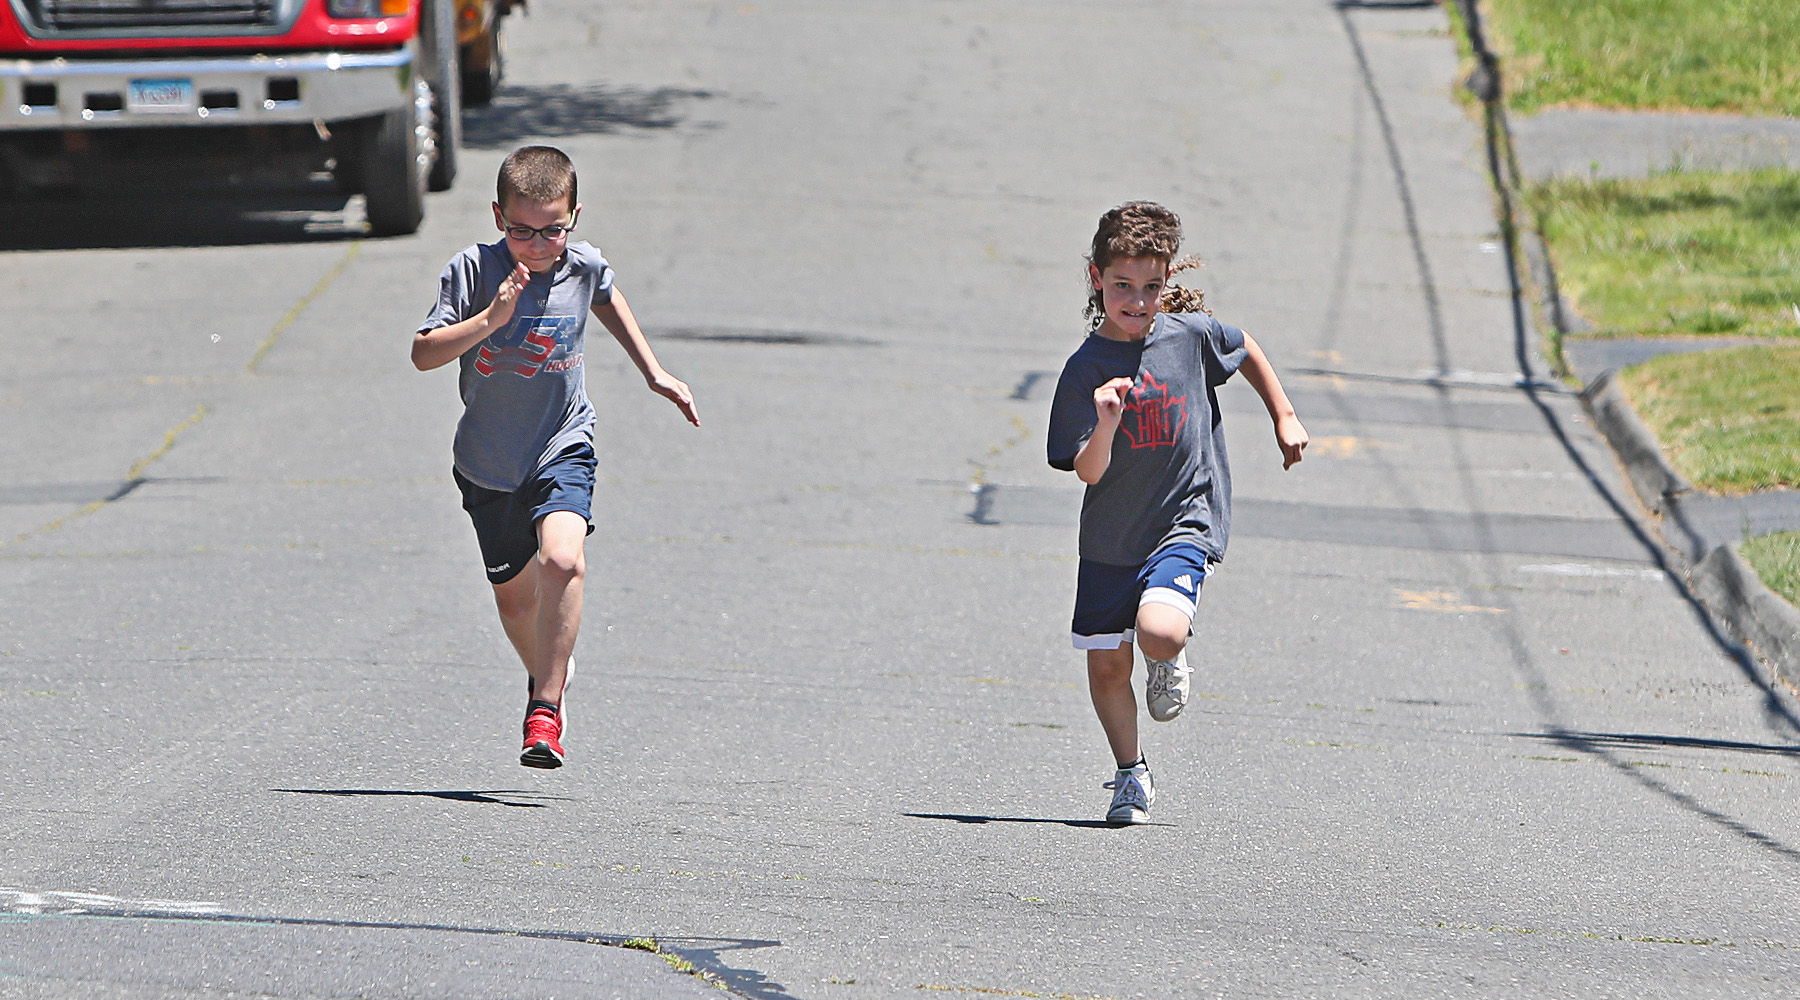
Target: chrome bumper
x=196, y=90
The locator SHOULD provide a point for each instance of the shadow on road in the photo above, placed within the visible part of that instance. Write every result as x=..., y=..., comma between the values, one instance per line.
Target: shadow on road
x=1080, y=824
x=705, y=954
x=1619, y=741
x=488, y=797
x=169, y=218
x=559, y=111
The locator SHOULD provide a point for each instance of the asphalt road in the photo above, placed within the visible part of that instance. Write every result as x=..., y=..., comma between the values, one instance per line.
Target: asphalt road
x=1455, y=732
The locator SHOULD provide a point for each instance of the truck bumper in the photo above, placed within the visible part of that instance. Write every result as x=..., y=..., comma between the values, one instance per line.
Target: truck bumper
x=201, y=91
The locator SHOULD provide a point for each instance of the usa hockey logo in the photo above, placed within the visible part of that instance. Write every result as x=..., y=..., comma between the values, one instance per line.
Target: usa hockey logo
x=1156, y=417
x=526, y=348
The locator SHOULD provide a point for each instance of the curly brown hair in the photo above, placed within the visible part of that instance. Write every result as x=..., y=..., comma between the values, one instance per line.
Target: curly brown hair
x=1143, y=229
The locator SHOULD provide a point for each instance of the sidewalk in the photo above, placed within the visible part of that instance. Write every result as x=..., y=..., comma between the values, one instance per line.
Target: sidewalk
x=1700, y=529
x=1587, y=142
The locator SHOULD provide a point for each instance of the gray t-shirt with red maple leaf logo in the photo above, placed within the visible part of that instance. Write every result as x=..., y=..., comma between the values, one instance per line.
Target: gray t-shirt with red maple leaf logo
x=1169, y=480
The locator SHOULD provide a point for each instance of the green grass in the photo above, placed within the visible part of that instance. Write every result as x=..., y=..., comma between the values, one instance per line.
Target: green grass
x=1710, y=55
x=1677, y=253
x=1729, y=420
x=1776, y=558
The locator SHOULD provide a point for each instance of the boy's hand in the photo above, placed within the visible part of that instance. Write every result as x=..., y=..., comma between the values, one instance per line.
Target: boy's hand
x=1290, y=434
x=1109, y=400
x=500, y=311
x=666, y=385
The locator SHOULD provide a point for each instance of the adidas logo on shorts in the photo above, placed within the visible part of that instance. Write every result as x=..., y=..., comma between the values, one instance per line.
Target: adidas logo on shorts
x=1185, y=582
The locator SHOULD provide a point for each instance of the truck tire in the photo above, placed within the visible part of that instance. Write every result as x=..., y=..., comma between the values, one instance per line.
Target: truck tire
x=446, y=91
x=481, y=77
x=394, y=168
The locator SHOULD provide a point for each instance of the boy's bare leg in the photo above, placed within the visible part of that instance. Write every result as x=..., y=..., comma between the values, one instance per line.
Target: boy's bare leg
x=517, y=600
x=540, y=608
x=1162, y=630
x=1109, y=684
x=561, y=571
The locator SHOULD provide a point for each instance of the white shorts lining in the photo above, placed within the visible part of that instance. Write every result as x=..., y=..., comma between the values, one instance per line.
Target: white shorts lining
x=1109, y=640
x=1170, y=596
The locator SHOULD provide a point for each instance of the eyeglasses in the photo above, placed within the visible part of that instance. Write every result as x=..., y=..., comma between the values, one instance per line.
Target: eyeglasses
x=551, y=234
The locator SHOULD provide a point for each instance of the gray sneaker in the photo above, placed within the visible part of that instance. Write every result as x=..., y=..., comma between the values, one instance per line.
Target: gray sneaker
x=1166, y=686
x=1133, y=791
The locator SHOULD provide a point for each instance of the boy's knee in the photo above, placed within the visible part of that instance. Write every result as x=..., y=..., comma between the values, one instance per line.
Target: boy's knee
x=1110, y=665
x=1162, y=631
x=562, y=541
x=1161, y=647
x=563, y=562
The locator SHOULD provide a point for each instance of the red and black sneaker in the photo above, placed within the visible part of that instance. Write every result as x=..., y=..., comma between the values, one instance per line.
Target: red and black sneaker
x=543, y=736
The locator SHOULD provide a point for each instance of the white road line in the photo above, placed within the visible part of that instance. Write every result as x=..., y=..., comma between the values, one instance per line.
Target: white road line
x=1583, y=569
x=13, y=900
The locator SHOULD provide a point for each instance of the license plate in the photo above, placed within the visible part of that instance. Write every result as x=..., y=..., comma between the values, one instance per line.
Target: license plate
x=160, y=95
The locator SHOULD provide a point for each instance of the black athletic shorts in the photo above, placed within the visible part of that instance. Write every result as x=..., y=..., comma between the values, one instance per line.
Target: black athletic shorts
x=1107, y=597
x=506, y=523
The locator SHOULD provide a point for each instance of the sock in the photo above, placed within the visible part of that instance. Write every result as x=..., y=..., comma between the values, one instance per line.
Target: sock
x=535, y=705
x=1140, y=762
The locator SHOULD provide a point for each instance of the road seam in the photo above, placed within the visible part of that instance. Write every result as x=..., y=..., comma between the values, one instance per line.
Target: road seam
x=134, y=476
x=299, y=307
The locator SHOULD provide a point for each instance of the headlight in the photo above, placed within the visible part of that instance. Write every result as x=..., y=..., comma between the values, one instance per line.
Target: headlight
x=366, y=8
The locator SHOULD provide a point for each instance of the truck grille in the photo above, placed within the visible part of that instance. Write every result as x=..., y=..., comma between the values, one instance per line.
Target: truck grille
x=101, y=15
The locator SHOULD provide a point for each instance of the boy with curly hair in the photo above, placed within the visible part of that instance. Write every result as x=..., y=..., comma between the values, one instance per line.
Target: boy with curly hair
x=1136, y=418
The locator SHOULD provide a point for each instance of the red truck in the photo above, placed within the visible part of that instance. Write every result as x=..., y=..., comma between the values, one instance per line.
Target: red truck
x=97, y=93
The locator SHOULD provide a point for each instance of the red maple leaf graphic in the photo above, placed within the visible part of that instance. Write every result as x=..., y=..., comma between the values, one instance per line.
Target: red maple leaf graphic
x=1152, y=418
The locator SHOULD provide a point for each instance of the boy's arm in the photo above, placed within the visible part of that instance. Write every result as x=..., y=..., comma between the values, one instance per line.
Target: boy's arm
x=1095, y=456
x=615, y=315
x=436, y=348
x=1290, y=434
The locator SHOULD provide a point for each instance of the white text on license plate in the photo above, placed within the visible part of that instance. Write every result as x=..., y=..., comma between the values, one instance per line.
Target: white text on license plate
x=161, y=95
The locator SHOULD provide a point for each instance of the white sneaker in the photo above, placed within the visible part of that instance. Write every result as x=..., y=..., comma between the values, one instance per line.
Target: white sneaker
x=1166, y=686
x=1133, y=791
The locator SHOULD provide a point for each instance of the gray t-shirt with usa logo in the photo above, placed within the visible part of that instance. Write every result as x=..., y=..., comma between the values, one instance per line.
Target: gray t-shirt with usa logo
x=523, y=388
x=1169, y=480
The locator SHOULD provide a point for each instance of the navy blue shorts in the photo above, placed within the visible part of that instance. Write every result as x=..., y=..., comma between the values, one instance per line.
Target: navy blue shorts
x=1107, y=597
x=506, y=523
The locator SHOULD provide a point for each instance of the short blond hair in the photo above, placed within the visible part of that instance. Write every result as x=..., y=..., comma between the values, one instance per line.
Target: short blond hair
x=536, y=173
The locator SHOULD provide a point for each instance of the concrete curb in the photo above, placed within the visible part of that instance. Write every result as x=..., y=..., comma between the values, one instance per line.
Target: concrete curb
x=1757, y=614
x=1656, y=481
x=1721, y=579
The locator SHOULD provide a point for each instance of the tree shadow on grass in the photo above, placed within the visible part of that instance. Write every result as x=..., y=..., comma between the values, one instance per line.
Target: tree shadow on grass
x=487, y=797
x=560, y=110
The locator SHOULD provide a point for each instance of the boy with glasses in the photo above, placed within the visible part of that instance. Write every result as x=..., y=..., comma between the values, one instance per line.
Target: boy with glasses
x=513, y=315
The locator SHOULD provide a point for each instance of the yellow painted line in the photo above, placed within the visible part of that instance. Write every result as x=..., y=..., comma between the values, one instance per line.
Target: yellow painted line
x=299, y=307
x=1436, y=600
x=136, y=472
x=169, y=436
x=1345, y=446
